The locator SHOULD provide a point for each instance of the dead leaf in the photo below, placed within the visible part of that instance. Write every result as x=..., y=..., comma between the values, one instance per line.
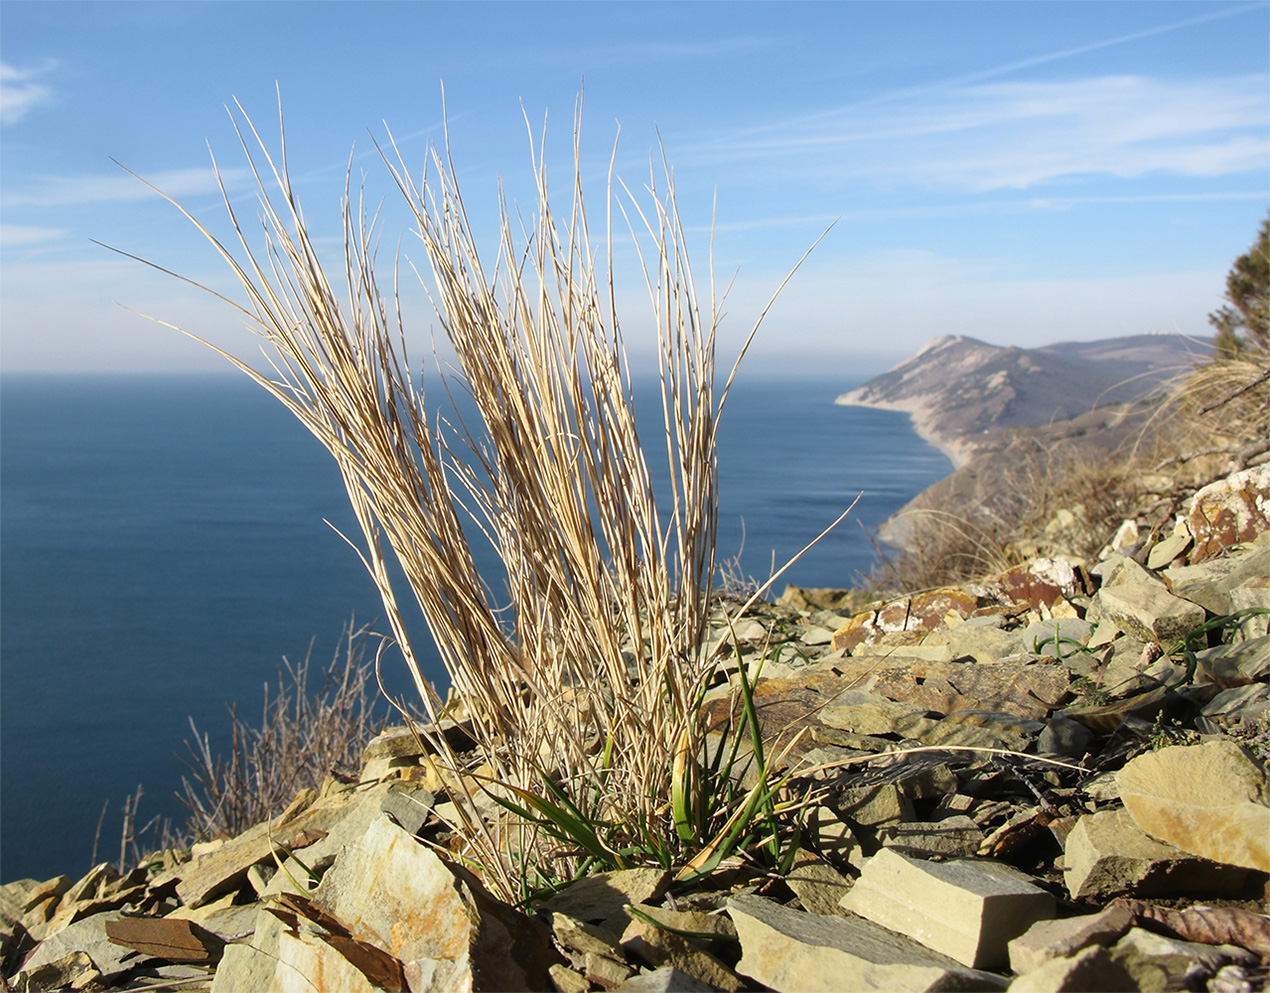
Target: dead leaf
x=170, y=939
x=1206, y=925
x=380, y=969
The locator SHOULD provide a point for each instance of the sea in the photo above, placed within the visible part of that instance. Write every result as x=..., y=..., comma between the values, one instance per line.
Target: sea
x=167, y=540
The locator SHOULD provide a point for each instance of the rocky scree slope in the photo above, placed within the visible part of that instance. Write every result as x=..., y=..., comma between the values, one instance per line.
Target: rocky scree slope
x=1090, y=810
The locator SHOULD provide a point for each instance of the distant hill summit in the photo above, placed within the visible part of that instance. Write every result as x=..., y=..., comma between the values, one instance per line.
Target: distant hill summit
x=958, y=389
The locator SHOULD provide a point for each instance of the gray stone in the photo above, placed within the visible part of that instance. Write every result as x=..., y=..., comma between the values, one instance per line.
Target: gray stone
x=1238, y=664
x=983, y=729
x=1211, y=800
x=1236, y=699
x=1149, y=612
x=568, y=980
x=1231, y=979
x=968, y=909
x=953, y=837
x=667, y=979
x=1156, y=962
x=883, y=803
x=73, y=971
x=306, y=962
x=1055, y=939
x=577, y=937
x=345, y=832
x=86, y=935
x=658, y=947
x=604, y=970
x=1117, y=570
x=1055, y=636
x=251, y=965
x=873, y=714
x=1091, y=970
x=817, y=636
x=788, y=950
x=1211, y=583
x=394, y=892
x=984, y=645
x=926, y=781
x=601, y=899
x=1108, y=855
x=1065, y=738
x=831, y=835
x=1253, y=594
x=224, y=868
x=817, y=884
x=409, y=806
x=1165, y=551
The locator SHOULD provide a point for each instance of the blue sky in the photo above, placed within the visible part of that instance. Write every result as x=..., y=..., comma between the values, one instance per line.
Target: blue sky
x=1021, y=172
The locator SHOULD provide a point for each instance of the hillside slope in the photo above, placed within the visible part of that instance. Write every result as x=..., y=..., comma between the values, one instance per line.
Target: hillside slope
x=960, y=391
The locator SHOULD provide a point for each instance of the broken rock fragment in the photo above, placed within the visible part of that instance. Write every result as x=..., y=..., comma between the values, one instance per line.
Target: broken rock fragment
x=1211, y=800
x=968, y=909
x=789, y=950
x=1053, y=939
x=1108, y=855
x=1092, y=968
x=1149, y=612
x=395, y=893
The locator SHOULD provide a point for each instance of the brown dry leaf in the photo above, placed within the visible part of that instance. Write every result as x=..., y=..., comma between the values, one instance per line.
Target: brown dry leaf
x=380, y=969
x=170, y=939
x=1207, y=925
x=302, y=839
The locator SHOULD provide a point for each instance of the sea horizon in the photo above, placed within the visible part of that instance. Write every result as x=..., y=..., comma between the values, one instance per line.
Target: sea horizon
x=165, y=545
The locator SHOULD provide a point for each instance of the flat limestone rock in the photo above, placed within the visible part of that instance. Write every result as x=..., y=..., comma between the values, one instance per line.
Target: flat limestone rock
x=657, y=947
x=305, y=962
x=957, y=836
x=600, y=899
x=225, y=868
x=87, y=935
x=1149, y=612
x=873, y=714
x=968, y=909
x=1091, y=968
x=1108, y=855
x=1211, y=800
x=1046, y=940
x=664, y=980
x=1212, y=584
x=1237, y=665
x=251, y=965
x=817, y=884
x=394, y=892
x=788, y=950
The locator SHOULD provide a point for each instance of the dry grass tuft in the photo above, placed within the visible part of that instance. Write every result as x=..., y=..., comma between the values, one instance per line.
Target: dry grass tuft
x=583, y=679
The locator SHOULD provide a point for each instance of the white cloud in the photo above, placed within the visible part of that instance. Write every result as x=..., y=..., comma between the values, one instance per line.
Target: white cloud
x=1017, y=135
x=20, y=92
x=62, y=191
x=20, y=234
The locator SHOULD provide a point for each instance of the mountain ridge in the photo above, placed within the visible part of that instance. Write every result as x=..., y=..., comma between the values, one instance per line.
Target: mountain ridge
x=960, y=392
